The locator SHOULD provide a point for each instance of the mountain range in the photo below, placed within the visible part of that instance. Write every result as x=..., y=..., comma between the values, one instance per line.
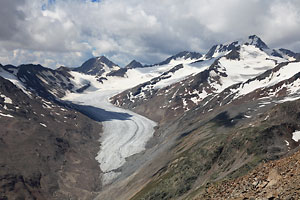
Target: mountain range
x=189, y=127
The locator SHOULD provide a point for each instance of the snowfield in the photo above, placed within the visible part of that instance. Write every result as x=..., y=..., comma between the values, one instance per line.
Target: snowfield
x=296, y=136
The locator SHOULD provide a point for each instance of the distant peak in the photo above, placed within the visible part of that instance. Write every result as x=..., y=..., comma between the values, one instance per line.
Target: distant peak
x=105, y=60
x=134, y=61
x=188, y=54
x=222, y=49
x=183, y=54
x=97, y=66
x=63, y=68
x=253, y=37
x=256, y=41
x=102, y=59
x=134, y=64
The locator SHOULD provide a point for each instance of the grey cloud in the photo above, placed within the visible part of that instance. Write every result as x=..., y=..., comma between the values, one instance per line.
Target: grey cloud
x=10, y=18
x=148, y=31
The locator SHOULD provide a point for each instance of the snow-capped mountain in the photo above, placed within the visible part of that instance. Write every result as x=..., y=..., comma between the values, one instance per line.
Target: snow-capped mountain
x=97, y=66
x=223, y=66
x=223, y=49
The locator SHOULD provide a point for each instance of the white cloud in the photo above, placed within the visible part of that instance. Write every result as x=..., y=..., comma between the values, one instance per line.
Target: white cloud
x=70, y=31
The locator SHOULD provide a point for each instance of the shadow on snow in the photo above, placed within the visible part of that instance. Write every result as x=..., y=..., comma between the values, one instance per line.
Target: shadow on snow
x=99, y=114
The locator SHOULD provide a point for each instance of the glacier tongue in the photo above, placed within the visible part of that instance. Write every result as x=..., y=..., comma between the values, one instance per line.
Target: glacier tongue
x=125, y=133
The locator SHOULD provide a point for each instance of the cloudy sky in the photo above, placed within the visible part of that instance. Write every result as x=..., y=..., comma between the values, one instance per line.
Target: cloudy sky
x=68, y=32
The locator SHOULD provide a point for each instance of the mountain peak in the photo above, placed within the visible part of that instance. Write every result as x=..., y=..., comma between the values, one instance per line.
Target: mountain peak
x=256, y=41
x=102, y=59
x=97, y=66
x=134, y=64
x=222, y=49
x=188, y=54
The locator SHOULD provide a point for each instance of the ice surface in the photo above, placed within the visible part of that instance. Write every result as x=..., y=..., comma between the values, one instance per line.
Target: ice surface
x=125, y=133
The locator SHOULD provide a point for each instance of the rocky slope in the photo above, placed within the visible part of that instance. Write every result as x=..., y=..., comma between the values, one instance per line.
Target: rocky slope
x=47, y=150
x=273, y=180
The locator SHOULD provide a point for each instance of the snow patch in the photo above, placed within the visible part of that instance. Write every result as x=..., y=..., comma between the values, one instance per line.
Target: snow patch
x=185, y=105
x=6, y=115
x=6, y=99
x=296, y=136
x=287, y=143
x=44, y=125
x=267, y=117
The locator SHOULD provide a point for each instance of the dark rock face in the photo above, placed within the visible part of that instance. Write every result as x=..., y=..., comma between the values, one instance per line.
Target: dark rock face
x=256, y=41
x=45, y=82
x=211, y=51
x=288, y=52
x=134, y=64
x=9, y=68
x=276, y=54
x=46, y=150
x=221, y=48
x=234, y=54
x=95, y=66
x=121, y=72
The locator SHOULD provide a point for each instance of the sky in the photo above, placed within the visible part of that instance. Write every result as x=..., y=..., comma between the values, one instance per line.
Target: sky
x=68, y=32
